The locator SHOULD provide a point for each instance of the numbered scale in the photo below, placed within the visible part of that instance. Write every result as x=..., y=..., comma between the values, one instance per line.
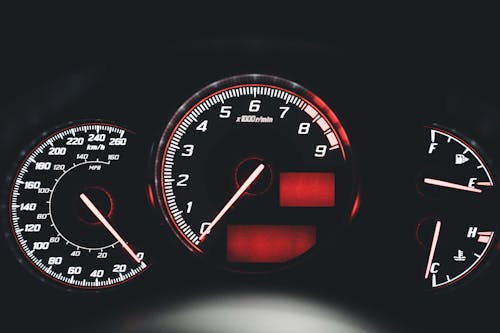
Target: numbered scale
x=253, y=171
x=69, y=207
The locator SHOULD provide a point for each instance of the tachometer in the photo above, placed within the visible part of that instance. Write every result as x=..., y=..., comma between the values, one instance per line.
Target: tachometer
x=69, y=207
x=252, y=172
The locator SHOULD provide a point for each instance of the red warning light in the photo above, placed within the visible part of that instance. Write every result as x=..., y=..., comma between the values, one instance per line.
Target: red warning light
x=307, y=189
x=268, y=243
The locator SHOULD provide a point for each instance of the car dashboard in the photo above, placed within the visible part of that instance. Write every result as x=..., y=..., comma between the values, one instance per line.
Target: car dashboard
x=410, y=126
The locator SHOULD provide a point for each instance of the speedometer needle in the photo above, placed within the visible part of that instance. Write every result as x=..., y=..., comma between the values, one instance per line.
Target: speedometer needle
x=451, y=185
x=433, y=248
x=253, y=176
x=108, y=226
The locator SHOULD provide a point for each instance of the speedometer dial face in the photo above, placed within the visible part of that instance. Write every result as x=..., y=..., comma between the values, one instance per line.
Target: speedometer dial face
x=69, y=203
x=254, y=172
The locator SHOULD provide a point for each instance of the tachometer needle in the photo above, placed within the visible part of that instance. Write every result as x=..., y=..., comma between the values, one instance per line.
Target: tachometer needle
x=108, y=226
x=253, y=176
x=433, y=248
x=451, y=185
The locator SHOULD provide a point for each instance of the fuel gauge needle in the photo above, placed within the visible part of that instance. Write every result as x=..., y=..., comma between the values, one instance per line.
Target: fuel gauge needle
x=443, y=183
x=433, y=248
x=90, y=205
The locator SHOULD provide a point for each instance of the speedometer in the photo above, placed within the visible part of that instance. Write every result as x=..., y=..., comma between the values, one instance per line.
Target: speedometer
x=69, y=207
x=254, y=172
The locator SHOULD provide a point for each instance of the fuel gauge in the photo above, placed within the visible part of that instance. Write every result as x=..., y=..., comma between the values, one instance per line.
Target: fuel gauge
x=452, y=166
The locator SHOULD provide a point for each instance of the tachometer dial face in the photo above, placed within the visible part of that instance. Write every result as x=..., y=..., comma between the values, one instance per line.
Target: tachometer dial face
x=456, y=186
x=252, y=171
x=69, y=207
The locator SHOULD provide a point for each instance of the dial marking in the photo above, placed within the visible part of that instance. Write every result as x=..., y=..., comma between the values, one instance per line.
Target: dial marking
x=484, y=236
x=311, y=112
x=433, y=135
x=332, y=139
x=323, y=124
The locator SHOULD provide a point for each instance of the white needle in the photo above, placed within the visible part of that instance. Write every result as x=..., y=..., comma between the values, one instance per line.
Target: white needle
x=108, y=226
x=253, y=176
x=451, y=185
x=433, y=248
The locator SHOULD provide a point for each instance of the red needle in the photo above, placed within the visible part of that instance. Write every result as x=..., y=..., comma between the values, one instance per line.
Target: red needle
x=451, y=185
x=433, y=248
x=108, y=226
x=253, y=176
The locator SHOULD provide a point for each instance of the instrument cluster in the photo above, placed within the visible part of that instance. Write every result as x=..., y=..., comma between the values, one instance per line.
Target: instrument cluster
x=224, y=167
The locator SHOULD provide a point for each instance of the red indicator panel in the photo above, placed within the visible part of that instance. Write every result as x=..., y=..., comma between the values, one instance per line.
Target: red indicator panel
x=307, y=189
x=268, y=243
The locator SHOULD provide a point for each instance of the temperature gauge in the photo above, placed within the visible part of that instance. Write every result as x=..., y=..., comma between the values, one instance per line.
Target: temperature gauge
x=455, y=248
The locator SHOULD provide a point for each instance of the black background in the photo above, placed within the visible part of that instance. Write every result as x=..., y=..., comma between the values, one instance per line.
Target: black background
x=386, y=70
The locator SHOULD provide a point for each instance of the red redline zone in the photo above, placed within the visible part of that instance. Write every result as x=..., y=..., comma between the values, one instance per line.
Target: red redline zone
x=268, y=243
x=307, y=189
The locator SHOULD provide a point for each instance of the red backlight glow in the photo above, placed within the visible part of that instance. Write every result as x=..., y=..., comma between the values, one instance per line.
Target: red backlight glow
x=268, y=243
x=307, y=189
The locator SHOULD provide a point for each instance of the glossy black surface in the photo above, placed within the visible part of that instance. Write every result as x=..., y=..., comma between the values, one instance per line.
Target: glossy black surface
x=387, y=76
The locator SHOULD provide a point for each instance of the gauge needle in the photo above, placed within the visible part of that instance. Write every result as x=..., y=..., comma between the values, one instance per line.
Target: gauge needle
x=433, y=248
x=108, y=226
x=253, y=176
x=451, y=185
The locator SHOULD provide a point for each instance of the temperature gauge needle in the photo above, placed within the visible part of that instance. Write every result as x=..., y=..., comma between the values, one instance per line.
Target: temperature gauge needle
x=443, y=183
x=253, y=176
x=433, y=248
x=108, y=226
